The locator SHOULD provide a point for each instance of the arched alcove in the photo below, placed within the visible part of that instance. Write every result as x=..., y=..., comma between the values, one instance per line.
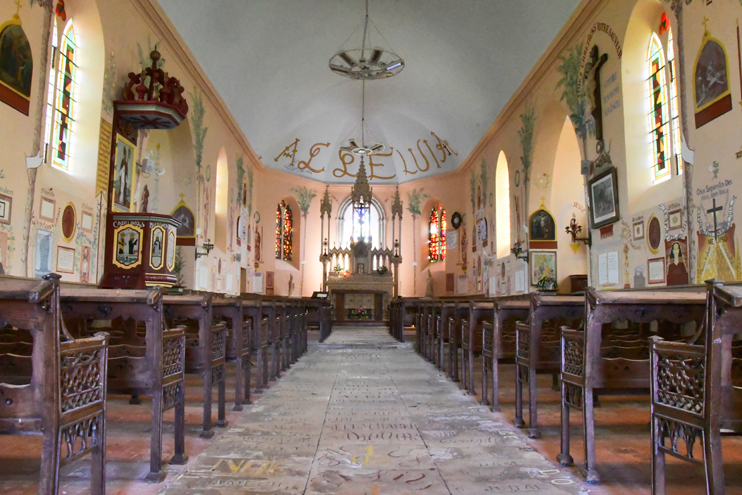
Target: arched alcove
x=83, y=20
x=568, y=200
x=502, y=206
x=221, y=202
x=635, y=74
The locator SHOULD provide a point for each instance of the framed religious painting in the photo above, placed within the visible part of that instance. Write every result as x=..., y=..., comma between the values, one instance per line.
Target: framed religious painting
x=638, y=230
x=711, y=90
x=675, y=219
x=6, y=205
x=16, y=66
x=543, y=264
x=603, y=192
x=123, y=174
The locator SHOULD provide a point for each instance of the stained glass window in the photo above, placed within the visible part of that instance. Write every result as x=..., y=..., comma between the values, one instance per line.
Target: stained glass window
x=658, y=114
x=288, y=231
x=284, y=232
x=65, y=106
x=50, y=92
x=279, y=231
x=437, y=234
x=674, y=108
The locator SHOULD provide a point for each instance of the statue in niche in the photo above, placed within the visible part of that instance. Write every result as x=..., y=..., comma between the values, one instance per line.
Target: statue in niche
x=291, y=285
x=429, y=285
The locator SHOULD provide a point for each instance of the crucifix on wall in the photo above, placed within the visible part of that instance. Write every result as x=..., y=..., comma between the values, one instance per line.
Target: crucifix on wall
x=592, y=88
x=714, y=210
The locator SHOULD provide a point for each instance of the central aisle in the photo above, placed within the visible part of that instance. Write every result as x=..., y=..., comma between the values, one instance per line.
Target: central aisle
x=361, y=415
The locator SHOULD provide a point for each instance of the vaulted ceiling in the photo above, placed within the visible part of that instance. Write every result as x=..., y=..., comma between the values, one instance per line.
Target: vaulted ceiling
x=269, y=61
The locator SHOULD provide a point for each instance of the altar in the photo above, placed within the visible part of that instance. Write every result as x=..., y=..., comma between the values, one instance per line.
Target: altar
x=364, y=278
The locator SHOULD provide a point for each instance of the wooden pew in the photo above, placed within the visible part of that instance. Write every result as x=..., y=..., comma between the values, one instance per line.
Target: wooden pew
x=696, y=392
x=457, y=325
x=270, y=311
x=538, y=349
x=159, y=372
x=64, y=396
x=252, y=309
x=444, y=334
x=480, y=311
x=584, y=370
x=499, y=342
x=229, y=309
x=210, y=352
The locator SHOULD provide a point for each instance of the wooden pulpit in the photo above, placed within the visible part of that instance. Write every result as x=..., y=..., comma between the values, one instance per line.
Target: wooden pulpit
x=140, y=251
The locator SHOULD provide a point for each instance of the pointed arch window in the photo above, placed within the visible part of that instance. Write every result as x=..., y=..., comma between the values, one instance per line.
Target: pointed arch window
x=658, y=111
x=437, y=234
x=284, y=232
x=674, y=107
x=63, y=113
x=50, y=92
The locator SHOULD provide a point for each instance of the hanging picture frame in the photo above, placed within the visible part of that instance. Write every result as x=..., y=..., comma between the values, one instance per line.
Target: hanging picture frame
x=603, y=192
x=123, y=174
x=16, y=66
x=711, y=90
x=542, y=229
x=187, y=230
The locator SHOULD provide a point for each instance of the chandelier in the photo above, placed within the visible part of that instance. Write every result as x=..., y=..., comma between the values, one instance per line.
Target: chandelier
x=366, y=62
x=362, y=149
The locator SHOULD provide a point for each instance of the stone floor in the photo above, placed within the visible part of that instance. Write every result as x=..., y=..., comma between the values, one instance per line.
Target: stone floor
x=319, y=418
x=361, y=415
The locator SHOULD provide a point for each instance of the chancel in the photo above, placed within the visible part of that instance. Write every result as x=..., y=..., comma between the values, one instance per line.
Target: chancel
x=370, y=246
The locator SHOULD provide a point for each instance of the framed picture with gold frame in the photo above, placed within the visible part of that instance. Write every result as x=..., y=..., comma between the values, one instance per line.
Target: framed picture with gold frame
x=123, y=175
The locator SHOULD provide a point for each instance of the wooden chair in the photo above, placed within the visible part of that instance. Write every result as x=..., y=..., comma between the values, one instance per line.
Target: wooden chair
x=537, y=343
x=159, y=372
x=229, y=309
x=63, y=395
x=695, y=392
x=206, y=353
x=584, y=370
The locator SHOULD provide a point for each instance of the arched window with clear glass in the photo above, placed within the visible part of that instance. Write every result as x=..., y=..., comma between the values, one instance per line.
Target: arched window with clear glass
x=63, y=114
x=437, y=234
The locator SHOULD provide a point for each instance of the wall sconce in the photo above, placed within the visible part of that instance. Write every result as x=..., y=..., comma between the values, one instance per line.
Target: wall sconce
x=518, y=251
x=574, y=230
x=207, y=246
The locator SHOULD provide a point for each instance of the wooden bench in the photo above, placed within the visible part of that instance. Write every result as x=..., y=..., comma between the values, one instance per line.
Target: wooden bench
x=229, y=309
x=584, y=368
x=696, y=391
x=206, y=353
x=158, y=372
x=480, y=311
x=63, y=395
x=456, y=329
x=252, y=310
x=443, y=335
x=537, y=344
x=499, y=342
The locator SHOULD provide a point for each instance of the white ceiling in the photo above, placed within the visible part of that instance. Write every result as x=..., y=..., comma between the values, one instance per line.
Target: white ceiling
x=269, y=61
